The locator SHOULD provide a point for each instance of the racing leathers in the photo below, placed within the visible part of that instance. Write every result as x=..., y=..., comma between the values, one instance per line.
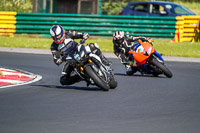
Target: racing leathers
x=121, y=51
x=67, y=48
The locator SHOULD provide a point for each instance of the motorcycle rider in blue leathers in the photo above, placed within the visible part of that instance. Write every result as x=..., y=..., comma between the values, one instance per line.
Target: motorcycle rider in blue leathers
x=64, y=45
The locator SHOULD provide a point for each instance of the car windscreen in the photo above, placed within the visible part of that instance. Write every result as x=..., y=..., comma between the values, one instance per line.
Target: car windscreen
x=176, y=9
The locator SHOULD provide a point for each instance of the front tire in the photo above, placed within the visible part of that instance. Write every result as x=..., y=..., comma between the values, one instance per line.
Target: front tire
x=162, y=67
x=113, y=83
x=98, y=81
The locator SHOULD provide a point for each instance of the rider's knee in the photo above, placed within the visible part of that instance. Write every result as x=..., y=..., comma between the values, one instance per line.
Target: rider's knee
x=64, y=80
x=94, y=48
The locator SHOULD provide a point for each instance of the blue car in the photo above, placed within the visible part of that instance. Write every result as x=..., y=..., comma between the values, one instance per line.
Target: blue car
x=155, y=8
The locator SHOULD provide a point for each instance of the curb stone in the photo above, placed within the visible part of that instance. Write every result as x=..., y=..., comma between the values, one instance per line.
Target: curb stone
x=11, y=78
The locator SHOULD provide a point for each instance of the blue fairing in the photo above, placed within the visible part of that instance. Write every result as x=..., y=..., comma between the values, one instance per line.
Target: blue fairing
x=158, y=55
x=136, y=44
x=70, y=48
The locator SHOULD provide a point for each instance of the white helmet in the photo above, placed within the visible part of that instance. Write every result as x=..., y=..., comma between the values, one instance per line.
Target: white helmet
x=119, y=37
x=57, y=33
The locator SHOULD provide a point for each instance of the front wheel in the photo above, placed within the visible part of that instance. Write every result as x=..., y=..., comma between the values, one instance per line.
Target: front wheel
x=162, y=67
x=97, y=79
x=113, y=83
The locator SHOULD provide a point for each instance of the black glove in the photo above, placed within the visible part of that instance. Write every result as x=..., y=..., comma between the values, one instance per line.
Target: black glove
x=58, y=61
x=150, y=41
x=82, y=41
x=86, y=36
x=123, y=59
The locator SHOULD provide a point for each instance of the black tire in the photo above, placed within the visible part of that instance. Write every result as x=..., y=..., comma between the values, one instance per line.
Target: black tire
x=113, y=83
x=163, y=68
x=98, y=81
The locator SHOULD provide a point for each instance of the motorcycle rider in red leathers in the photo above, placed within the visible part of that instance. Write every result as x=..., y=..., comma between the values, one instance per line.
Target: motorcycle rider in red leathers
x=122, y=45
x=63, y=45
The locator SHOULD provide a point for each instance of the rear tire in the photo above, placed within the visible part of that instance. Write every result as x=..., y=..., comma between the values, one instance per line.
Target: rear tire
x=163, y=68
x=97, y=80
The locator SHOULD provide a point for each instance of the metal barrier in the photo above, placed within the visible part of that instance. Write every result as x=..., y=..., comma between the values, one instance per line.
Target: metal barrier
x=7, y=23
x=181, y=29
x=97, y=25
x=187, y=29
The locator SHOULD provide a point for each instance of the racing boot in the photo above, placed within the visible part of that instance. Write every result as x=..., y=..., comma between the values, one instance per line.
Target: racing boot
x=68, y=76
x=104, y=60
x=95, y=49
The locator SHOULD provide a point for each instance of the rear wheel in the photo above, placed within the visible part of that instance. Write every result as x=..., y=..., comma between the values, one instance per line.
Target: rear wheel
x=162, y=67
x=97, y=79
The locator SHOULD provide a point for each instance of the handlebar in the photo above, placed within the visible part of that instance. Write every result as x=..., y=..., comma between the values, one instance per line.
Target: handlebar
x=82, y=41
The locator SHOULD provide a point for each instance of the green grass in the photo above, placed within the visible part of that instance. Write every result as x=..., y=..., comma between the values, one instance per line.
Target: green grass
x=25, y=42
x=164, y=46
x=184, y=49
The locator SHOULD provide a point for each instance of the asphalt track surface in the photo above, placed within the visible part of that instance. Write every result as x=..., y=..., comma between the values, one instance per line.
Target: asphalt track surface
x=140, y=104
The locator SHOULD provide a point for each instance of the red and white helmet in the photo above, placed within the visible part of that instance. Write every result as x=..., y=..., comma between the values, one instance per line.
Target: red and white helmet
x=57, y=33
x=119, y=37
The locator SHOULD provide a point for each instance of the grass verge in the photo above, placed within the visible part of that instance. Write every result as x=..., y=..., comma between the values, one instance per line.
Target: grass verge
x=164, y=46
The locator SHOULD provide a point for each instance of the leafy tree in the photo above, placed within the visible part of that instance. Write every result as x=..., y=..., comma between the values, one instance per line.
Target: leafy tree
x=16, y=5
x=113, y=7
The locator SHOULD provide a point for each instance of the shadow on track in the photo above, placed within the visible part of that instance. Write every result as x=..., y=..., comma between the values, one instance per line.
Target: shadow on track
x=71, y=87
x=139, y=75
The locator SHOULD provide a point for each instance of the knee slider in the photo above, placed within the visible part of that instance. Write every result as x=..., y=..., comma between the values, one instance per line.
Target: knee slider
x=64, y=80
x=94, y=48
